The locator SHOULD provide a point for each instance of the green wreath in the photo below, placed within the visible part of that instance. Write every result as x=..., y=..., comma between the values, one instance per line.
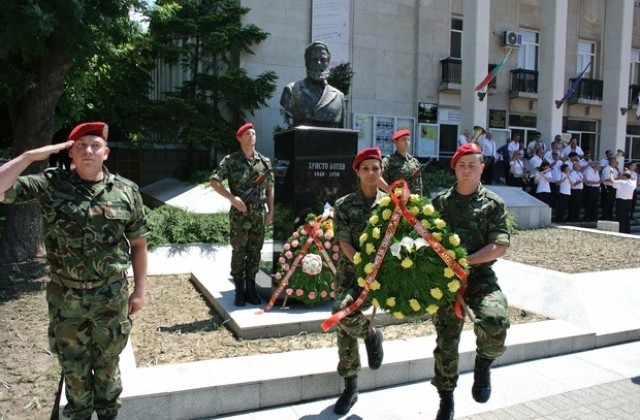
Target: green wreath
x=413, y=278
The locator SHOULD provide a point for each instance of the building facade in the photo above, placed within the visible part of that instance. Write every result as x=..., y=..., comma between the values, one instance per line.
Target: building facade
x=417, y=64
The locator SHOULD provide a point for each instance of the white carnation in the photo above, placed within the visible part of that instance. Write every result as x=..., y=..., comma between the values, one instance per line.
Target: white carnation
x=312, y=264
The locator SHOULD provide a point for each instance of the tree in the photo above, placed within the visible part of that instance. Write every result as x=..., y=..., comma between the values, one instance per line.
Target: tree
x=205, y=39
x=41, y=42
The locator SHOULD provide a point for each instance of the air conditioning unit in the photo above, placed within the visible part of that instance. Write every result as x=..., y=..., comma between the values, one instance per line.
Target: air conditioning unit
x=511, y=39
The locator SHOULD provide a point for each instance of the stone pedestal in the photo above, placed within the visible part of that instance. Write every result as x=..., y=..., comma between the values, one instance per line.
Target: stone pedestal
x=319, y=171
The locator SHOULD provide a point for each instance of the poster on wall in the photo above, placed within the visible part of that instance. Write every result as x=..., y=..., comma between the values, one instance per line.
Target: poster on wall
x=427, y=144
x=383, y=133
x=330, y=23
x=363, y=124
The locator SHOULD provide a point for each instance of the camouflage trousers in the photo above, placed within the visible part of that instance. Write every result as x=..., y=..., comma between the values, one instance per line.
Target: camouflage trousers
x=247, y=238
x=348, y=330
x=87, y=332
x=489, y=306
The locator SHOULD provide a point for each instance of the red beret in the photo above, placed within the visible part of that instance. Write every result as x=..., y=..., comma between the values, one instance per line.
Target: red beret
x=96, y=128
x=244, y=128
x=400, y=133
x=465, y=149
x=364, y=154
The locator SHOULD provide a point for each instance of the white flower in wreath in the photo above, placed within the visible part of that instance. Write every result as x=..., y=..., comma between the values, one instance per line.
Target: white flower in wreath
x=312, y=264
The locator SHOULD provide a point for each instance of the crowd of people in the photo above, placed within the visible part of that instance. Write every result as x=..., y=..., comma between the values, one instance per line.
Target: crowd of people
x=568, y=178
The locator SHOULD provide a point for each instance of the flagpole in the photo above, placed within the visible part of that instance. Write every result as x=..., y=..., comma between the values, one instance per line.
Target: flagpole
x=489, y=77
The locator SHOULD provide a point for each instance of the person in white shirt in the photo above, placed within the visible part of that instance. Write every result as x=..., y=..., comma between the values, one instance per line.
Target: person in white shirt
x=534, y=164
x=489, y=150
x=605, y=161
x=608, y=192
x=464, y=137
x=536, y=144
x=572, y=147
x=577, y=186
x=564, y=193
x=625, y=186
x=516, y=170
x=543, y=180
x=632, y=167
x=554, y=163
x=515, y=144
x=592, y=185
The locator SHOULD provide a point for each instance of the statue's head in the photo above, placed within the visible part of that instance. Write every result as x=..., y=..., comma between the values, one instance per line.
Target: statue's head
x=317, y=58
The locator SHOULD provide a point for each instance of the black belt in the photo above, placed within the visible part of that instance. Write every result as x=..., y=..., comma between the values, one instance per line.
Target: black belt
x=86, y=285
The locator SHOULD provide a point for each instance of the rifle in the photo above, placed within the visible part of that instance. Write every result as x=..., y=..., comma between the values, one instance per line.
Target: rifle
x=250, y=195
x=417, y=172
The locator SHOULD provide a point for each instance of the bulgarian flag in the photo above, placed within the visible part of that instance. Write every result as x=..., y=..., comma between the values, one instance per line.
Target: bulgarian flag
x=489, y=77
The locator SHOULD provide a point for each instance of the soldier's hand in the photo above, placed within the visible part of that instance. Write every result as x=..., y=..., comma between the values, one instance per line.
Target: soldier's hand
x=268, y=218
x=136, y=302
x=44, y=152
x=239, y=205
x=348, y=300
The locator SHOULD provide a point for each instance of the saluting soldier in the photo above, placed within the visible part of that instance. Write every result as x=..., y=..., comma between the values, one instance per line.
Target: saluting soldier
x=479, y=217
x=400, y=164
x=247, y=220
x=94, y=231
x=351, y=215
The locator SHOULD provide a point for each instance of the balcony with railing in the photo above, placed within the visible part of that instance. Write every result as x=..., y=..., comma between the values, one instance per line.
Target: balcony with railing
x=588, y=92
x=451, y=75
x=524, y=84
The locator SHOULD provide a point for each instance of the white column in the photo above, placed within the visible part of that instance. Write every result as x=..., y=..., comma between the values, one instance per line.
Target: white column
x=618, y=29
x=551, y=74
x=475, y=61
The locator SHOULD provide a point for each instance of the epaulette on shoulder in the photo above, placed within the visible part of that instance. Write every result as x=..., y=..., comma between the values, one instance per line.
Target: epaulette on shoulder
x=122, y=182
x=492, y=196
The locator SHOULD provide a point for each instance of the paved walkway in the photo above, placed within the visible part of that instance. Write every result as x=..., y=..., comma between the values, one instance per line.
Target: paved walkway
x=596, y=384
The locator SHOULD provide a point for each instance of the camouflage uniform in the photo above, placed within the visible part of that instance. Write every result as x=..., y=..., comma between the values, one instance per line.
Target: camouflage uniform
x=351, y=215
x=479, y=219
x=87, y=228
x=397, y=167
x=246, y=231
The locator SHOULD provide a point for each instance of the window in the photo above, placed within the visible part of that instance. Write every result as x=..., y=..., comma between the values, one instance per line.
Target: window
x=456, y=38
x=634, y=74
x=528, y=51
x=586, y=55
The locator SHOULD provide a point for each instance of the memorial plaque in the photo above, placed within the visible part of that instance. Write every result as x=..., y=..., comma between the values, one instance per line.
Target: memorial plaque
x=319, y=172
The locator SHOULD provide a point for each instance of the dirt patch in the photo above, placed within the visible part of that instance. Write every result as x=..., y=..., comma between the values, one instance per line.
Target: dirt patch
x=197, y=332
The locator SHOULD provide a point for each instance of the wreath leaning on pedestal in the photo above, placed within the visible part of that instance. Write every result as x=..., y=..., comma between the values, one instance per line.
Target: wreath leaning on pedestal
x=306, y=265
x=409, y=262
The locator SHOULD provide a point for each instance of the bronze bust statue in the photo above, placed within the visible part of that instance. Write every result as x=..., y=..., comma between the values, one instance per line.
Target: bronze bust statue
x=312, y=101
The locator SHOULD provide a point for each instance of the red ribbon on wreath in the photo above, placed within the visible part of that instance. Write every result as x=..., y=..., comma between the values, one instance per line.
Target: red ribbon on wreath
x=401, y=210
x=311, y=229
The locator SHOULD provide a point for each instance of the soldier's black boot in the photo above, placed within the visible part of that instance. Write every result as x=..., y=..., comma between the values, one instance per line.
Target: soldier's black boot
x=349, y=396
x=481, y=389
x=445, y=412
x=250, y=293
x=112, y=416
x=373, y=342
x=239, y=298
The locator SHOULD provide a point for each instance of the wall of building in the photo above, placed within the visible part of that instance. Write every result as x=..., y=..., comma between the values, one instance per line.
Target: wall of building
x=396, y=48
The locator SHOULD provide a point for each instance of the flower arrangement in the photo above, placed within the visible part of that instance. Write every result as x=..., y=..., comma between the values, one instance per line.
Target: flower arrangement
x=412, y=278
x=306, y=264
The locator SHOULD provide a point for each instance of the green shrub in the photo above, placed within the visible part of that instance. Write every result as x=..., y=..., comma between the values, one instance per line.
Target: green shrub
x=437, y=180
x=171, y=225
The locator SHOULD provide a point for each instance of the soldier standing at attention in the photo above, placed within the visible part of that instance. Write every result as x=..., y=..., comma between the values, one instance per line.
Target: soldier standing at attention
x=94, y=231
x=400, y=164
x=246, y=220
x=351, y=215
x=478, y=216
